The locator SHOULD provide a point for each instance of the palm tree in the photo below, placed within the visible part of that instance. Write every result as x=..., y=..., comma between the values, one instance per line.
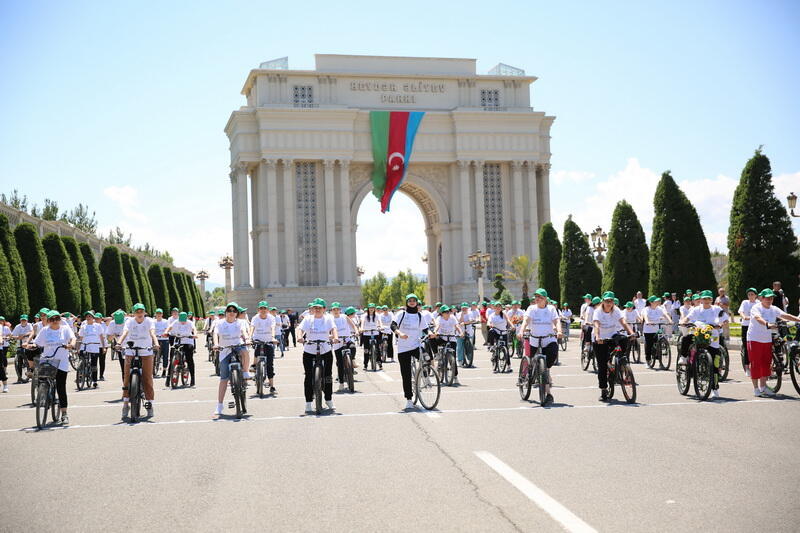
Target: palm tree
x=521, y=268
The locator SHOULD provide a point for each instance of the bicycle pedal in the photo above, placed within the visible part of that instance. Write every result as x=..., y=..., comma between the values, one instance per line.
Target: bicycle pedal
x=231, y=405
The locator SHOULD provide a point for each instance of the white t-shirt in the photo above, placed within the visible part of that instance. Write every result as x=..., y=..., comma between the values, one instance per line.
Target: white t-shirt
x=317, y=329
x=343, y=328
x=609, y=322
x=184, y=329
x=631, y=316
x=5, y=331
x=588, y=315
x=114, y=329
x=50, y=339
x=263, y=328
x=639, y=304
x=446, y=326
x=139, y=333
x=540, y=324
x=654, y=316
x=90, y=337
x=566, y=314
x=410, y=324
x=370, y=324
x=229, y=334
x=745, y=309
x=710, y=316
x=385, y=321
x=427, y=318
x=160, y=326
x=757, y=332
x=20, y=330
x=497, y=321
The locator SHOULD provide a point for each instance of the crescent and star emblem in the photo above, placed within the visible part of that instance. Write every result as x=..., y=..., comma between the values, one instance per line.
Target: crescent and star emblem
x=396, y=166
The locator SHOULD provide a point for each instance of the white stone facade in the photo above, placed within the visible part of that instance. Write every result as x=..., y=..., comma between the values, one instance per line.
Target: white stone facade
x=301, y=163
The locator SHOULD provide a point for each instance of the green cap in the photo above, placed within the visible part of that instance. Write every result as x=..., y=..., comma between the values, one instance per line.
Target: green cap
x=43, y=311
x=98, y=315
x=687, y=298
x=541, y=292
x=706, y=294
x=221, y=312
x=176, y=309
x=596, y=300
x=565, y=304
x=66, y=314
x=283, y=311
x=688, y=292
x=616, y=301
x=474, y=303
x=651, y=299
x=767, y=293
x=426, y=306
x=336, y=305
x=182, y=316
x=444, y=309
x=91, y=313
x=438, y=304
x=231, y=304
x=119, y=316
x=262, y=303
x=371, y=305
x=350, y=311
x=23, y=317
x=587, y=295
x=751, y=289
x=628, y=304
x=138, y=307
x=411, y=295
x=273, y=308
x=191, y=314
x=695, y=297
x=464, y=304
x=2, y=319
x=515, y=302
x=665, y=295
x=319, y=302
x=608, y=295
x=52, y=314
x=159, y=310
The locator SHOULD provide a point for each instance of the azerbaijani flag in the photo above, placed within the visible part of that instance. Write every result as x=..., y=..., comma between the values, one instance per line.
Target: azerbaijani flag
x=393, y=135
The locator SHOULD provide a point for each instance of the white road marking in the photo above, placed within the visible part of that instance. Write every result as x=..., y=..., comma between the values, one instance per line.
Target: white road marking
x=545, y=502
x=385, y=376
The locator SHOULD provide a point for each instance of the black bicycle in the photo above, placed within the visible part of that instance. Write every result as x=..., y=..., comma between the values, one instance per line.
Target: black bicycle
x=427, y=386
x=662, y=352
x=469, y=351
x=136, y=397
x=21, y=364
x=318, y=368
x=347, y=363
x=178, y=366
x=46, y=400
x=620, y=371
x=587, y=355
x=83, y=370
x=533, y=370
x=372, y=349
x=446, y=359
x=262, y=381
x=564, y=340
x=501, y=359
x=635, y=349
x=698, y=366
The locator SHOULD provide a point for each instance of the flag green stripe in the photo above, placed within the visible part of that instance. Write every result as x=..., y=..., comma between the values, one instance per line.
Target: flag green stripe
x=379, y=124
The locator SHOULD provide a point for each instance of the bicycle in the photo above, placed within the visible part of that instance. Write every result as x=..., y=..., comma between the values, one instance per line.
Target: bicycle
x=178, y=368
x=384, y=347
x=661, y=350
x=318, y=367
x=136, y=397
x=210, y=347
x=533, y=369
x=587, y=356
x=501, y=360
x=46, y=395
x=238, y=385
x=83, y=370
x=21, y=364
x=635, y=349
x=469, y=351
x=620, y=371
x=260, y=349
x=724, y=359
x=698, y=367
x=784, y=357
x=372, y=349
x=347, y=362
x=446, y=360
x=427, y=386
x=564, y=340
x=517, y=346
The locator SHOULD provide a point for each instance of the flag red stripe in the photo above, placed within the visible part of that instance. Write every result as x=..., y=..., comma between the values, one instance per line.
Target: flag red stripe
x=395, y=167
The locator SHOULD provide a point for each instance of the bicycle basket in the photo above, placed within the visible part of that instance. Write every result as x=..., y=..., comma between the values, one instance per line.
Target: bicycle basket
x=48, y=368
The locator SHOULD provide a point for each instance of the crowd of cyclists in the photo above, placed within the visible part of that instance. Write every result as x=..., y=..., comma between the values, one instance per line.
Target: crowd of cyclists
x=405, y=333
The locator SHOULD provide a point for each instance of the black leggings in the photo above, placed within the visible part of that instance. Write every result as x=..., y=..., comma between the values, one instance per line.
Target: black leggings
x=101, y=359
x=61, y=388
x=744, y=343
x=438, y=343
x=389, y=345
x=649, y=342
x=340, y=361
x=3, y=363
x=269, y=353
x=308, y=366
x=188, y=350
x=601, y=355
x=365, y=345
x=94, y=357
x=404, y=358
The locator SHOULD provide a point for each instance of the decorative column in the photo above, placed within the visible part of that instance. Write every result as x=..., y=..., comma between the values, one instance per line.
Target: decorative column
x=466, y=218
x=266, y=170
x=255, y=229
x=242, y=255
x=519, y=219
x=347, y=229
x=272, y=223
x=289, y=222
x=534, y=205
x=235, y=225
x=480, y=210
x=330, y=220
x=545, y=192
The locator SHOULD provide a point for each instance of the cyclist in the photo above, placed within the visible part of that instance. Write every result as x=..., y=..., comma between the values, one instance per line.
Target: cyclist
x=632, y=316
x=608, y=321
x=140, y=330
x=184, y=332
x=286, y=327
x=763, y=317
x=262, y=329
x=50, y=338
x=161, y=326
x=409, y=328
x=385, y=319
x=318, y=326
x=5, y=335
x=446, y=325
x=497, y=321
x=705, y=314
x=92, y=336
x=114, y=331
x=652, y=315
x=744, y=312
x=228, y=332
x=515, y=316
x=541, y=320
x=369, y=326
x=345, y=327
x=587, y=318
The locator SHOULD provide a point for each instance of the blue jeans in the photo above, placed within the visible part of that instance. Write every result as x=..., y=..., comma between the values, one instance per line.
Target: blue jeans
x=164, y=345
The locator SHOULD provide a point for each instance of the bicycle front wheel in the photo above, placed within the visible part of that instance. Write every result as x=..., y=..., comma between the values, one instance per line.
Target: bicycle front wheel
x=542, y=381
x=450, y=369
x=503, y=359
x=524, y=379
x=53, y=403
x=776, y=376
x=237, y=390
x=373, y=359
x=468, y=352
x=186, y=377
x=664, y=354
x=348, y=369
x=628, y=384
x=260, y=372
x=724, y=363
x=585, y=358
x=703, y=374
x=318, y=388
x=794, y=368
x=41, y=405
x=428, y=387
x=133, y=397
x=682, y=377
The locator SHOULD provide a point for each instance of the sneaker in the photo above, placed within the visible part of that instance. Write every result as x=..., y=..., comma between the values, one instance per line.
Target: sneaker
x=164, y=374
x=94, y=385
x=218, y=410
x=102, y=378
x=455, y=381
x=410, y=404
x=604, y=395
x=747, y=372
x=715, y=393
x=757, y=393
x=126, y=408
x=247, y=375
x=64, y=420
x=329, y=403
x=341, y=387
x=272, y=390
x=150, y=412
x=5, y=388
x=309, y=408
x=548, y=399
x=769, y=393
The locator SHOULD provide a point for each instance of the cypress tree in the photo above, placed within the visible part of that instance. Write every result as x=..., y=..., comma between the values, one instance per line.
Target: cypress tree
x=96, y=286
x=189, y=293
x=71, y=245
x=193, y=293
x=66, y=283
x=549, y=260
x=761, y=242
x=136, y=267
x=200, y=299
x=8, y=295
x=625, y=270
x=155, y=275
x=19, y=280
x=34, y=262
x=116, y=289
x=578, y=271
x=148, y=291
x=172, y=291
x=180, y=285
x=130, y=278
x=679, y=256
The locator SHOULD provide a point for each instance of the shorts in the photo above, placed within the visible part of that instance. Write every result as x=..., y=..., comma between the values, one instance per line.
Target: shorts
x=31, y=354
x=225, y=367
x=550, y=352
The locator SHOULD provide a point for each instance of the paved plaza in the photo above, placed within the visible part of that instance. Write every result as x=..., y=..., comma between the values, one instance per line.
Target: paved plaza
x=484, y=461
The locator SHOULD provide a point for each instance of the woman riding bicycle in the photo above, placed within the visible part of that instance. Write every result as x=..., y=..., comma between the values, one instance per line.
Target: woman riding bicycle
x=542, y=320
x=346, y=328
x=369, y=327
x=318, y=326
x=446, y=326
x=263, y=328
x=701, y=315
x=185, y=331
x=608, y=321
x=52, y=339
x=654, y=316
x=141, y=331
x=229, y=332
x=763, y=317
x=744, y=312
x=409, y=326
x=498, y=323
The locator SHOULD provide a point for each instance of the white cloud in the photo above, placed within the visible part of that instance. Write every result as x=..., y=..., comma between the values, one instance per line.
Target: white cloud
x=127, y=199
x=572, y=176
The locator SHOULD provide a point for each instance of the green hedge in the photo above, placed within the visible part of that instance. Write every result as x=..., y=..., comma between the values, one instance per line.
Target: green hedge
x=8, y=296
x=626, y=268
x=578, y=272
x=96, y=285
x=34, y=262
x=155, y=274
x=130, y=278
x=116, y=289
x=71, y=245
x=18, y=278
x=549, y=261
x=66, y=284
x=172, y=291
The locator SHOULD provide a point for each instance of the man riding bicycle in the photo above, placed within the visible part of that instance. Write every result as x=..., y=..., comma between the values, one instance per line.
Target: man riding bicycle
x=262, y=329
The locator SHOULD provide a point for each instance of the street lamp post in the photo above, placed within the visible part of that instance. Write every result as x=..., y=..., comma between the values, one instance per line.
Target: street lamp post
x=202, y=276
x=598, y=240
x=792, y=201
x=360, y=271
x=479, y=261
x=227, y=264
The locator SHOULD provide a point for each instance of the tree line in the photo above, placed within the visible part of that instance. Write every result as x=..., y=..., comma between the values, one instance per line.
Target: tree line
x=762, y=246
x=60, y=273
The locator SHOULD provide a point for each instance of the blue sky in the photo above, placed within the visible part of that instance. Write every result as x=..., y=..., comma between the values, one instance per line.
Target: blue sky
x=121, y=105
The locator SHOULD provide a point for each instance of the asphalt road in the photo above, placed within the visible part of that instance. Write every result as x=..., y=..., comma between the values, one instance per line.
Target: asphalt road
x=483, y=461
